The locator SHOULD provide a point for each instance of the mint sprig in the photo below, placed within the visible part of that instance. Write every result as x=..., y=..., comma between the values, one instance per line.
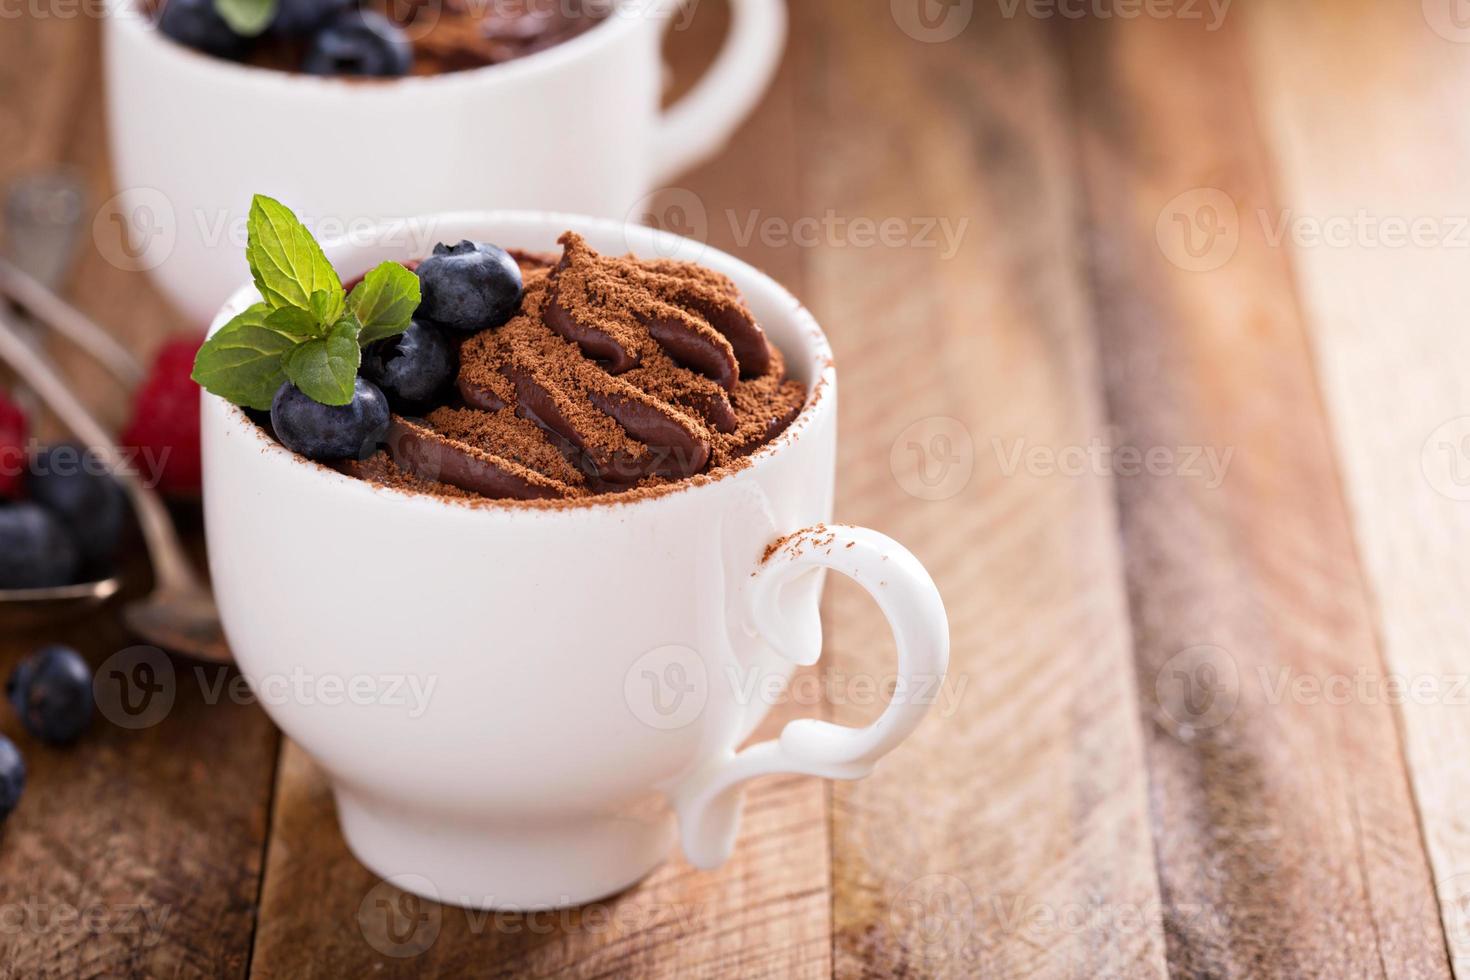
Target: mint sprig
x=307, y=329
x=247, y=18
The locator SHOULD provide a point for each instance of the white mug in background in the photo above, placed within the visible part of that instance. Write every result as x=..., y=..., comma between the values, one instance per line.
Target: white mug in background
x=591, y=668
x=577, y=127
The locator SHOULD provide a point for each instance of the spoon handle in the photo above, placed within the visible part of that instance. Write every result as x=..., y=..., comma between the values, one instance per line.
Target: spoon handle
x=22, y=288
x=171, y=568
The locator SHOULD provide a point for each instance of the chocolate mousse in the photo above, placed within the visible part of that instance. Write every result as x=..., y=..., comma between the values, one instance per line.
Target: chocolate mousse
x=381, y=38
x=615, y=375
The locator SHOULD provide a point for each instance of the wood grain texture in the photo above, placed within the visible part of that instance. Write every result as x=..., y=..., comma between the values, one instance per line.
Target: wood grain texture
x=1009, y=837
x=1286, y=835
x=1390, y=314
x=137, y=852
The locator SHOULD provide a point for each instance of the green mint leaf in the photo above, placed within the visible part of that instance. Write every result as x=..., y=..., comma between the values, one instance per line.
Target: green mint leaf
x=242, y=363
x=325, y=368
x=328, y=307
x=298, y=323
x=247, y=18
x=287, y=263
x=384, y=302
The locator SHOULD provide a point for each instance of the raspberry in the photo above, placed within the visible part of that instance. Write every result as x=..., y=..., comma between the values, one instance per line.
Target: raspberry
x=164, y=428
x=13, y=430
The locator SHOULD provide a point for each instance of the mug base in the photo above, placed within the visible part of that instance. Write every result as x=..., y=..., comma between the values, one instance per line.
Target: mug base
x=527, y=866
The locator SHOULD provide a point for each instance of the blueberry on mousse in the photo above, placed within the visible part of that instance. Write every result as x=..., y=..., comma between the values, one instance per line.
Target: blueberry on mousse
x=298, y=18
x=413, y=367
x=469, y=287
x=330, y=432
x=51, y=692
x=359, y=43
x=197, y=24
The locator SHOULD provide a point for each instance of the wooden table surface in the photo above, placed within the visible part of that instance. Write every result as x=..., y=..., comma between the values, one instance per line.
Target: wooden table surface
x=1154, y=332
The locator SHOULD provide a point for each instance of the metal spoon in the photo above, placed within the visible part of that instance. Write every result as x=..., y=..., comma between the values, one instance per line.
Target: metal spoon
x=180, y=614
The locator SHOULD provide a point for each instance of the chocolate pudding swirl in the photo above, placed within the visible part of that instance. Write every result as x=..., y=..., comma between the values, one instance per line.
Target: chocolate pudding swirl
x=617, y=374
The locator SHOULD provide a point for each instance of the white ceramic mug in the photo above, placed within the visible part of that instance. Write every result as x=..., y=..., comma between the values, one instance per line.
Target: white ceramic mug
x=577, y=127
x=593, y=668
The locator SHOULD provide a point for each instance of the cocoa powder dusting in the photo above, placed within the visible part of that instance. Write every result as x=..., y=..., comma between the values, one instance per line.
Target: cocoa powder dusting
x=618, y=376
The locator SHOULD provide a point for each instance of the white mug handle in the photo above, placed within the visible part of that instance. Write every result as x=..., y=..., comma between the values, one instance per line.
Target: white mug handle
x=696, y=127
x=708, y=803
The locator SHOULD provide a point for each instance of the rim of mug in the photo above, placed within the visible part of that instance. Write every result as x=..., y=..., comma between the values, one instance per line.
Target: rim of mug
x=818, y=359
x=127, y=15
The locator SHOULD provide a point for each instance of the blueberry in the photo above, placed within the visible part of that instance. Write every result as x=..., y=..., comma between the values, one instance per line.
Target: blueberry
x=299, y=17
x=328, y=432
x=51, y=691
x=412, y=367
x=359, y=43
x=196, y=24
x=12, y=776
x=470, y=286
x=74, y=485
x=35, y=550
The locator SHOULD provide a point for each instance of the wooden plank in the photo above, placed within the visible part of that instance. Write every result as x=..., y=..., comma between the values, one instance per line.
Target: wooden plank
x=1366, y=112
x=1010, y=836
x=765, y=913
x=1286, y=835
